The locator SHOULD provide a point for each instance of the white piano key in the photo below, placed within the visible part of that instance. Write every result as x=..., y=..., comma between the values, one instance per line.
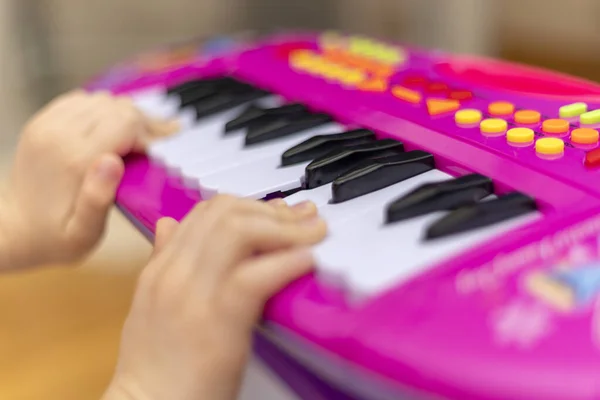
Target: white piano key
x=201, y=140
x=367, y=257
x=320, y=196
x=255, y=180
x=399, y=253
x=355, y=217
x=195, y=141
x=233, y=153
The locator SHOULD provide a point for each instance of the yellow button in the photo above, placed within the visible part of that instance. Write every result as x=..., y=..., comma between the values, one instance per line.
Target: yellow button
x=584, y=136
x=520, y=135
x=550, y=146
x=555, y=126
x=572, y=110
x=590, y=118
x=501, y=108
x=467, y=117
x=493, y=125
x=527, y=117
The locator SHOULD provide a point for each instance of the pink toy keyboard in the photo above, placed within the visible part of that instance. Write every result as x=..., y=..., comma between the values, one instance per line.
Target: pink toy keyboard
x=462, y=195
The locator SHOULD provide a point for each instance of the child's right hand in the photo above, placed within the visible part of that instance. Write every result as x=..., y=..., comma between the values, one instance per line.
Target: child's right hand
x=189, y=332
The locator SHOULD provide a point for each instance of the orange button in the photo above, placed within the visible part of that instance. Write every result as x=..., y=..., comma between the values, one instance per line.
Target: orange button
x=373, y=85
x=527, y=117
x=440, y=106
x=584, y=136
x=500, y=108
x=555, y=126
x=406, y=94
x=460, y=95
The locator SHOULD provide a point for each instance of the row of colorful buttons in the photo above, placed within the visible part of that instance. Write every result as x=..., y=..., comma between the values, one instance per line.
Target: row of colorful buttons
x=436, y=88
x=583, y=136
x=568, y=112
x=521, y=137
x=549, y=148
x=503, y=108
x=523, y=117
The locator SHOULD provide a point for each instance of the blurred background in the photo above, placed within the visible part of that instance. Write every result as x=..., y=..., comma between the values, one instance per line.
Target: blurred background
x=59, y=328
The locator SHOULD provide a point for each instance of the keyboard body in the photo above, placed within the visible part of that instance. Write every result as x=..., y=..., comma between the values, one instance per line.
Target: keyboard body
x=514, y=316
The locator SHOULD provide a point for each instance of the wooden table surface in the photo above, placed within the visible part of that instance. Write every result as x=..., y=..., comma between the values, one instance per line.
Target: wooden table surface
x=60, y=328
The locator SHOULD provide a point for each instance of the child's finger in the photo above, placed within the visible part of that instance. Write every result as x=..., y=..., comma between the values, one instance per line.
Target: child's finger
x=165, y=228
x=244, y=236
x=305, y=209
x=159, y=128
x=260, y=278
x=96, y=196
x=262, y=235
x=153, y=130
x=230, y=206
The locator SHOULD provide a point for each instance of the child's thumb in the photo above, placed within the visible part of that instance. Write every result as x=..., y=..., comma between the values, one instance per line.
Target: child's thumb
x=165, y=228
x=96, y=196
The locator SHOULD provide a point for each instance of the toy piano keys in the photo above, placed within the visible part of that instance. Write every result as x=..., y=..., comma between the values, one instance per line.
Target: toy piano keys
x=462, y=195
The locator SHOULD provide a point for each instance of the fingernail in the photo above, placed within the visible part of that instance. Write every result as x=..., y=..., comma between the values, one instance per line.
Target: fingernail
x=107, y=170
x=303, y=206
x=312, y=221
x=278, y=202
x=168, y=127
x=173, y=126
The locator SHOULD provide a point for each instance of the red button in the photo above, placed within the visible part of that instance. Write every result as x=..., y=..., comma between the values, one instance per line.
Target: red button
x=437, y=87
x=460, y=95
x=592, y=158
x=415, y=80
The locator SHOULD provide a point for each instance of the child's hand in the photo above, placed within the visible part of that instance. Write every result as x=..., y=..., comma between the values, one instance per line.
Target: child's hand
x=188, y=335
x=66, y=172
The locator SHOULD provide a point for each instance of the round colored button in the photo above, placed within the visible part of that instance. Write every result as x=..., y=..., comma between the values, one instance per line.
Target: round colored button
x=520, y=135
x=555, y=126
x=549, y=146
x=493, y=125
x=527, y=117
x=584, y=136
x=467, y=117
x=499, y=108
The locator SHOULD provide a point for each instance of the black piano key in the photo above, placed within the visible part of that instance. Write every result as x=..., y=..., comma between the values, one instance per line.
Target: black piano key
x=256, y=115
x=285, y=126
x=334, y=164
x=320, y=145
x=226, y=100
x=446, y=195
x=199, y=93
x=201, y=83
x=378, y=173
x=193, y=96
x=482, y=214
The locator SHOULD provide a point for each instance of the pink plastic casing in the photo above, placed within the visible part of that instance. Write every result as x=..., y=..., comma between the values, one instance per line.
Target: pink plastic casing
x=468, y=328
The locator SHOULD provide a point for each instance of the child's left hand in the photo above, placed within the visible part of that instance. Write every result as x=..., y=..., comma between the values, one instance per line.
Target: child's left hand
x=65, y=175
